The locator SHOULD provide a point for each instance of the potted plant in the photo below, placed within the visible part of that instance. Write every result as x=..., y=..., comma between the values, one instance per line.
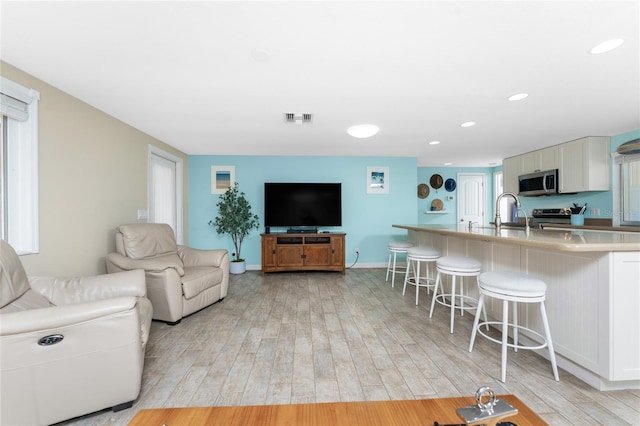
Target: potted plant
x=235, y=219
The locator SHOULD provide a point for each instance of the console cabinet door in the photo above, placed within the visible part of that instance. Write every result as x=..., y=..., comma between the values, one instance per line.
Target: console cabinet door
x=317, y=254
x=290, y=255
x=337, y=251
x=269, y=254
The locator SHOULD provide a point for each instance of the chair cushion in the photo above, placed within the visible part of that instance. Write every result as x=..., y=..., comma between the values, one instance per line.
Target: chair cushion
x=13, y=279
x=423, y=252
x=512, y=284
x=459, y=263
x=196, y=279
x=399, y=245
x=144, y=240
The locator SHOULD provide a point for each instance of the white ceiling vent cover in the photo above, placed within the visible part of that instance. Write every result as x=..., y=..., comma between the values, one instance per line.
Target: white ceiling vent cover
x=297, y=117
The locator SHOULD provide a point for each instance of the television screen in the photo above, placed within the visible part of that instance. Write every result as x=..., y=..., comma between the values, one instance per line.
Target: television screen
x=302, y=204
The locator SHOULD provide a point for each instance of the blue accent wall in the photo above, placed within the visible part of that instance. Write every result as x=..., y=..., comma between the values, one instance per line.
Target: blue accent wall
x=366, y=218
x=451, y=206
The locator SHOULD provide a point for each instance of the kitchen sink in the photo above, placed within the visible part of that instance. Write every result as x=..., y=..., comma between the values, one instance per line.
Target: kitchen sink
x=509, y=226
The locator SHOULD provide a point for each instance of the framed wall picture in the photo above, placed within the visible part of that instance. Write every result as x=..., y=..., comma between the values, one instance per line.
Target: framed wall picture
x=222, y=177
x=377, y=180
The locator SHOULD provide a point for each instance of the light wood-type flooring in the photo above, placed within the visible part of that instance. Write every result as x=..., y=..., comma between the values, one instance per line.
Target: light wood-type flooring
x=291, y=338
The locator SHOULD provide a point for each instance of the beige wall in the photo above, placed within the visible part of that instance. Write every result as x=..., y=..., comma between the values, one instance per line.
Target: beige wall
x=92, y=177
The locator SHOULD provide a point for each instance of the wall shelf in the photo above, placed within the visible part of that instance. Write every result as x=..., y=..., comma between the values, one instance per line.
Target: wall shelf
x=438, y=212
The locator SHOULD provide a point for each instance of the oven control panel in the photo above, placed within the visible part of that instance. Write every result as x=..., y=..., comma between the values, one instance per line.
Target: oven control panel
x=563, y=212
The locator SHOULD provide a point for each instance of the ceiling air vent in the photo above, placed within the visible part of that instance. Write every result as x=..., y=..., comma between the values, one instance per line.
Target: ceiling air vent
x=297, y=117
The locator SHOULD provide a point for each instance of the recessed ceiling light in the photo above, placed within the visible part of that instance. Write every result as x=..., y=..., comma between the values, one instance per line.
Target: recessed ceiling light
x=261, y=55
x=606, y=46
x=363, y=130
x=434, y=142
x=448, y=164
x=468, y=124
x=518, y=96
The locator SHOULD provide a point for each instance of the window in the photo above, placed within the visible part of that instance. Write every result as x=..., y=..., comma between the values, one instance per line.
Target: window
x=630, y=190
x=508, y=211
x=165, y=190
x=19, y=166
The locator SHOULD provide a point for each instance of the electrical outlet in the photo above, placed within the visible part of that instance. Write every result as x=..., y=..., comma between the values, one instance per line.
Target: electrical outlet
x=357, y=251
x=595, y=211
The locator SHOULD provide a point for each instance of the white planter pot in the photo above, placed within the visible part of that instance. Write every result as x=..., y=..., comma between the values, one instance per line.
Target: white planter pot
x=237, y=267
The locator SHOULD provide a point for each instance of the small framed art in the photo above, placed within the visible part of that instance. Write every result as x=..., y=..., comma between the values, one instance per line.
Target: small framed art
x=222, y=177
x=377, y=180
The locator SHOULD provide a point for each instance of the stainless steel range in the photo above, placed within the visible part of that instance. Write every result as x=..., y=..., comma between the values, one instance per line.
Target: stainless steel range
x=556, y=215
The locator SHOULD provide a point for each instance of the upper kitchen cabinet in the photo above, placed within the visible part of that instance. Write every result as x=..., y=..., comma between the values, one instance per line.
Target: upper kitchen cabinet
x=584, y=165
x=540, y=160
x=531, y=162
x=511, y=169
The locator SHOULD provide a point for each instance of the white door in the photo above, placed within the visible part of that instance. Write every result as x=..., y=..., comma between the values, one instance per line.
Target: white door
x=471, y=198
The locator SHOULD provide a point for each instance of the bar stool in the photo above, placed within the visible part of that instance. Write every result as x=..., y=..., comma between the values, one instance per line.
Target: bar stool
x=395, y=248
x=415, y=256
x=514, y=287
x=456, y=266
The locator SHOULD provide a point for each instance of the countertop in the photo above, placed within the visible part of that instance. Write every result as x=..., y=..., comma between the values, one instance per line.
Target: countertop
x=576, y=240
x=592, y=227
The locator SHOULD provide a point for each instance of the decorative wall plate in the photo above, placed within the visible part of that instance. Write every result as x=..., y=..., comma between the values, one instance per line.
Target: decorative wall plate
x=423, y=190
x=450, y=185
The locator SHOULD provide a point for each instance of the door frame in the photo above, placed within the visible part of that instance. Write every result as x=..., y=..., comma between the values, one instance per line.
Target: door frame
x=482, y=198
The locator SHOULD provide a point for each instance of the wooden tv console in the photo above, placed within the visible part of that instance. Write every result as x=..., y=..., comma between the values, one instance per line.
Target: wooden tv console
x=303, y=252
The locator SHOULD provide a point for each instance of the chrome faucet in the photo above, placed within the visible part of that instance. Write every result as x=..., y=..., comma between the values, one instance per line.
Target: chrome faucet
x=497, y=220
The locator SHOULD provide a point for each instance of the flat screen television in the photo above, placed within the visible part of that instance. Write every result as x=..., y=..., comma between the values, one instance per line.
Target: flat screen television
x=302, y=205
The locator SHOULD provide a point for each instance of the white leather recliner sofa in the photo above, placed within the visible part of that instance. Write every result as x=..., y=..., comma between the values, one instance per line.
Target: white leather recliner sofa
x=180, y=280
x=69, y=347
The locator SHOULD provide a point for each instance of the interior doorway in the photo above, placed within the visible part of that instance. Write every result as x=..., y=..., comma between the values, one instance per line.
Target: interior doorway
x=471, y=198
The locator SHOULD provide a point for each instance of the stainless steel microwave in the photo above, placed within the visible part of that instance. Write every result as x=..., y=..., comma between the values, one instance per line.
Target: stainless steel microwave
x=538, y=183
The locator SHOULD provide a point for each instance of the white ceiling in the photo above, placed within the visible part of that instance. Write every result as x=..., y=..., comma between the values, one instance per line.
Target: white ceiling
x=196, y=75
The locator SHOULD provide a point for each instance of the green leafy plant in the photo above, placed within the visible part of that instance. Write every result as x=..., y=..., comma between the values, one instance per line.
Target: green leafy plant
x=234, y=218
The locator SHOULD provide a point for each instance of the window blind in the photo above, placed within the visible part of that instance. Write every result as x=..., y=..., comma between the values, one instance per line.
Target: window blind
x=14, y=108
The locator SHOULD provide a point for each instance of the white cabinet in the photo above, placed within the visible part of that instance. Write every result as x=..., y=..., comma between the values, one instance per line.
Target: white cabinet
x=540, y=160
x=535, y=161
x=511, y=169
x=530, y=162
x=549, y=158
x=625, y=317
x=584, y=165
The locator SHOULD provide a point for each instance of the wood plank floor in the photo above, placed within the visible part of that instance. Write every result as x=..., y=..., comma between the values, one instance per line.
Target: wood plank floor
x=323, y=337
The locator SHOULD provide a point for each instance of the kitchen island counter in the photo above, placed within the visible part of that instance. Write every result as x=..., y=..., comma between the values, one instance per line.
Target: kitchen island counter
x=593, y=291
x=576, y=240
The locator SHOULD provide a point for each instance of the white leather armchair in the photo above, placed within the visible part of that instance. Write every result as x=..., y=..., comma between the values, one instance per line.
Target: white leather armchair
x=69, y=347
x=180, y=280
